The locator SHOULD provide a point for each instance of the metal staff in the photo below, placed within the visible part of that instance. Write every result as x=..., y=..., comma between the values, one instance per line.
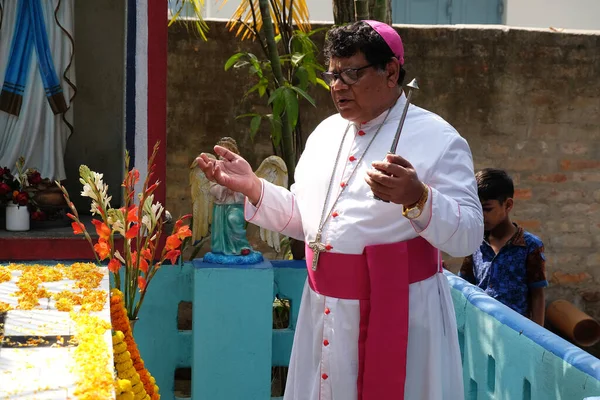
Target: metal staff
x=412, y=85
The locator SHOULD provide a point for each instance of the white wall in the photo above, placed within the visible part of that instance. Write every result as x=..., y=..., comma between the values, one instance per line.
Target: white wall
x=320, y=10
x=569, y=14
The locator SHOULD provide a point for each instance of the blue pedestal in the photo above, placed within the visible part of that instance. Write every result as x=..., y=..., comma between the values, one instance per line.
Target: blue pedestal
x=232, y=325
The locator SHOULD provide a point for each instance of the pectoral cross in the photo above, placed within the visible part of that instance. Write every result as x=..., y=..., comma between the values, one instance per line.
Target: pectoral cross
x=317, y=247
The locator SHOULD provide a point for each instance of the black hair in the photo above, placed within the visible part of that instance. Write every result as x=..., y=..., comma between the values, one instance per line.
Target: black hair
x=348, y=40
x=494, y=184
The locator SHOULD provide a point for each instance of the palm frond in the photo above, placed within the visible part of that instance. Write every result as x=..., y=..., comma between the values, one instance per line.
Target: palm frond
x=190, y=11
x=247, y=19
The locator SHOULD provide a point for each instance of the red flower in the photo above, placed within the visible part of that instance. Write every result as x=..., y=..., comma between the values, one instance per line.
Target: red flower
x=38, y=216
x=184, y=232
x=142, y=282
x=132, y=214
x=102, y=229
x=114, y=266
x=173, y=242
x=132, y=232
x=21, y=198
x=173, y=255
x=4, y=189
x=147, y=254
x=77, y=228
x=102, y=248
x=143, y=265
x=34, y=178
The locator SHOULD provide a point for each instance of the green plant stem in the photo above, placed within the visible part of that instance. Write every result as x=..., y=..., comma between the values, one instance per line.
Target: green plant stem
x=287, y=139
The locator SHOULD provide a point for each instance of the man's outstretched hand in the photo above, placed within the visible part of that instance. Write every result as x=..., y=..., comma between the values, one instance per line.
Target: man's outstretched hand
x=231, y=171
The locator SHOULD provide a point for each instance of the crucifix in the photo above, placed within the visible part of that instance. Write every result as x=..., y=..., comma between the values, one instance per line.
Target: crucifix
x=317, y=247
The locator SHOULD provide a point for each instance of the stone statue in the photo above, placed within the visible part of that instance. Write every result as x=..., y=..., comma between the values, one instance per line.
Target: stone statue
x=220, y=211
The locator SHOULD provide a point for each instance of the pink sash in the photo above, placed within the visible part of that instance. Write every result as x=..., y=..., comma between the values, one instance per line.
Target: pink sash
x=379, y=278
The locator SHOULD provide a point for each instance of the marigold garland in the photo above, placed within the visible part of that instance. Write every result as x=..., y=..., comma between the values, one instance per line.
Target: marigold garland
x=120, y=323
x=126, y=371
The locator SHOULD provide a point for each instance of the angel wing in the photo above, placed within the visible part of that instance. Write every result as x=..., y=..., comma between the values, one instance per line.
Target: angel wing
x=274, y=170
x=202, y=201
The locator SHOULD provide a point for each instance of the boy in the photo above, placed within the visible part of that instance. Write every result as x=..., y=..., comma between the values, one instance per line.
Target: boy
x=509, y=265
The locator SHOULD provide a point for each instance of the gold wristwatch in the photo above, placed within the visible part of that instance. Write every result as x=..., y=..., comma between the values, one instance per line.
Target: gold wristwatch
x=414, y=210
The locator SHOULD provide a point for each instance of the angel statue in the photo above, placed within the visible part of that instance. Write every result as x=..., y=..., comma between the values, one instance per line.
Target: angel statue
x=220, y=211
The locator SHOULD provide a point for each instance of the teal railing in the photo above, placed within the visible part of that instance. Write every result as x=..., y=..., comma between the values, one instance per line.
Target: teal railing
x=233, y=347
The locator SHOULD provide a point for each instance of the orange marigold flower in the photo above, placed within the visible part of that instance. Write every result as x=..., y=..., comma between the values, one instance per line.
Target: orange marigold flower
x=173, y=255
x=173, y=242
x=102, y=229
x=184, y=232
x=77, y=228
x=102, y=248
x=133, y=231
x=114, y=265
x=142, y=282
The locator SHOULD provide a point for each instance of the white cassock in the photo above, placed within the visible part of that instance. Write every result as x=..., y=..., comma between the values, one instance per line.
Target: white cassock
x=324, y=361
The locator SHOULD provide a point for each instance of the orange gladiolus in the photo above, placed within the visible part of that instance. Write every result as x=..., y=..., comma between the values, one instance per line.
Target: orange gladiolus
x=77, y=228
x=141, y=282
x=173, y=242
x=147, y=254
x=184, y=232
x=132, y=232
x=143, y=265
x=102, y=248
x=132, y=214
x=114, y=265
x=173, y=255
x=102, y=229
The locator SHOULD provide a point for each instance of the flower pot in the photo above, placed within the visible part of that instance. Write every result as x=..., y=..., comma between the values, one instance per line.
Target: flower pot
x=17, y=218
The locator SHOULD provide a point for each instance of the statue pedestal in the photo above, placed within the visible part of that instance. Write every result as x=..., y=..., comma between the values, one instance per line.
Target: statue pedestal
x=225, y=298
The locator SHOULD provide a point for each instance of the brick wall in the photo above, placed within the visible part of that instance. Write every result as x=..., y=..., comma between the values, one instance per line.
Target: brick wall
x=526, y=100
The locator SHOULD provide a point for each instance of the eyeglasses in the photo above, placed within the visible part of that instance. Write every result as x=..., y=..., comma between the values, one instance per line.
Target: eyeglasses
x=348, y=76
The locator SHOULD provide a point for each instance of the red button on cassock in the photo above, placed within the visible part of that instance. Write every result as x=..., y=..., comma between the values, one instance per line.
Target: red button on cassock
x=334, y=214
x=327, y=311
x=328, y=247
x=361, y=133
x=325, y=342
x=324, y=376
x=352, y=158
x=343, y=184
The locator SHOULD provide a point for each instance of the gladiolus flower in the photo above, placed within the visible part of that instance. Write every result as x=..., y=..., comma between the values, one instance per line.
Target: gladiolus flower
x=102, y=248
x=114, y=266
x=173, y=255
x=184, y=232
x=142, y=282
x=132, y=232
x=143, y=265
x=132, y=214
x=151, y=189
x=102, y=229
x=173, y=242
x=147, y=254
x=77, y=228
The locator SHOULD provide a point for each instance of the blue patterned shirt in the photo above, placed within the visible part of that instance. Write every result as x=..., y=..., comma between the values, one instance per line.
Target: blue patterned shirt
x=509, y=275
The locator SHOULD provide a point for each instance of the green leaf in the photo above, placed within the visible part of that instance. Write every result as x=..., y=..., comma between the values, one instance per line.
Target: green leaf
x=278, y=101
x=297, y=58
x=322, y=83
x=275, y=129
x=262, y=89
x=254, y=125
x=304, y=94
x=233, y=59
x=291, y=107
x=302, y=76
x=247, y=115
